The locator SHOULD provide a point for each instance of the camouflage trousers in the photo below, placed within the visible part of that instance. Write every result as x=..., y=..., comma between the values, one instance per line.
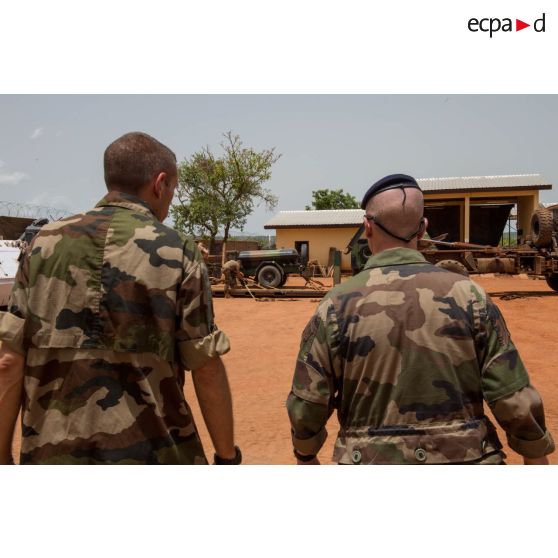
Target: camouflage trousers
x=230, y=281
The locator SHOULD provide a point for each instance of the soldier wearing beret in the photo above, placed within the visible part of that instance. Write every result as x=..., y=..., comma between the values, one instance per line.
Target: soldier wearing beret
x=108, y=310
x=408, y=354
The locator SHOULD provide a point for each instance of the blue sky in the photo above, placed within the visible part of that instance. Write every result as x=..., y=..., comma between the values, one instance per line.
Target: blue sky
x=51, y=147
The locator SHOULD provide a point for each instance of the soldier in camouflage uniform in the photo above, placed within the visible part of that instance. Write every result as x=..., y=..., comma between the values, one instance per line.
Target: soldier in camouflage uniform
x=231, y=272
x=406, y=353
x=108, y=309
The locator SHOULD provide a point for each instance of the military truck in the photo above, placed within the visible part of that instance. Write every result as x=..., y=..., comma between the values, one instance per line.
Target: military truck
x=9, y=255
x=536, y=254
x=10, y=251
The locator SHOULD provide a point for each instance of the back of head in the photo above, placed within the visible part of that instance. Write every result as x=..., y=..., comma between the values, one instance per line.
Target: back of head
x=399, y=210
x=135, y=159
x=395, y=204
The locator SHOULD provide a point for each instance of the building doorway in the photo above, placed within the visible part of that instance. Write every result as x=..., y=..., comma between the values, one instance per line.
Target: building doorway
x=444, y=219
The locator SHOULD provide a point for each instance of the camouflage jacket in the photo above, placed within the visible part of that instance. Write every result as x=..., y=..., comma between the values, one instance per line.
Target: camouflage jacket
x=232, y=266
x=406, y=353
x=109, y=307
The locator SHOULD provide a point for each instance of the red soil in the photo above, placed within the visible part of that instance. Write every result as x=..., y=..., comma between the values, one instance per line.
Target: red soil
x=265, y=337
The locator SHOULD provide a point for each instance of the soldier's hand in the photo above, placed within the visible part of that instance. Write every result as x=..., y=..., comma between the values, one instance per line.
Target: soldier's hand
x=314, y=461
x=536, y=460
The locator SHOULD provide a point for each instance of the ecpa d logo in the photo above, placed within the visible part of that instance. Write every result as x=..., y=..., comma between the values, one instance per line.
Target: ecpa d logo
x=494, y=25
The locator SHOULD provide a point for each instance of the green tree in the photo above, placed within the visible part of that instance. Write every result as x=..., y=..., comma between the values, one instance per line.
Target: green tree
x=216, y=194
x=332, y=199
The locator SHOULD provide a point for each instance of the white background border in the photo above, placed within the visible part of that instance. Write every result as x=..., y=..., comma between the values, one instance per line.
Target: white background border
x=249, y=46
x=272, y=46
x=281, y=511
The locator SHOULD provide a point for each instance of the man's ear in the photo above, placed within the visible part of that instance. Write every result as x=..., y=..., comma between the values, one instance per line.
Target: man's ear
x=423, y=229
x=159, y=184
x=367, y=228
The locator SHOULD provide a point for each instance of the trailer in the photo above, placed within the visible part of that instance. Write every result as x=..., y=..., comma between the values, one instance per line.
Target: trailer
x=536, y=255
x=269, y=268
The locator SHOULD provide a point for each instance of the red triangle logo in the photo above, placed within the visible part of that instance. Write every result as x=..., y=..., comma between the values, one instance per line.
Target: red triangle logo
x=519, y=25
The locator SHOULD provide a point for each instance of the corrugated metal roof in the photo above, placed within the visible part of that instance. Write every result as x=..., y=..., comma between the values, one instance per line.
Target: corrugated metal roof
x=351, y=217
x=320, y=218
x=499, y=182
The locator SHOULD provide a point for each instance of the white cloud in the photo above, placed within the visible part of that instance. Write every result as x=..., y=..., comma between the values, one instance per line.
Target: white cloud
x=50, y=199
x=12, y=178
x=37, y=132
x=2, y=164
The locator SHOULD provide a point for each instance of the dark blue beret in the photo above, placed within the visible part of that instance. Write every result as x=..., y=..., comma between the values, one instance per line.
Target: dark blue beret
x=387, y=183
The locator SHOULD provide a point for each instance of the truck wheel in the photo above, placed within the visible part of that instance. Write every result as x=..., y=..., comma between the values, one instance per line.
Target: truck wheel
x=365, y=252
x=541, y=228
x=269, y=276
x=454, y=266
x=552, y=281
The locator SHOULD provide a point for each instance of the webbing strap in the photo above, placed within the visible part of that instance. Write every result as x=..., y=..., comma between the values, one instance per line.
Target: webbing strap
x=407, y=238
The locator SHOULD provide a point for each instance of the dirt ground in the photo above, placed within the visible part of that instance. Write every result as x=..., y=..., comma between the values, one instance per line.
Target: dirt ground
x=265, y=336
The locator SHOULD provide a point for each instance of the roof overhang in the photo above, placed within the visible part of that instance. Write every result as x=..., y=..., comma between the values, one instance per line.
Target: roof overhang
x=487, y=189
x=315, y=226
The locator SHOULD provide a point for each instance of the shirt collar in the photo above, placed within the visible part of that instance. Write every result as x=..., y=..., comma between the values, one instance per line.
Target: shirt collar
x=128, y=201
x=395, y=256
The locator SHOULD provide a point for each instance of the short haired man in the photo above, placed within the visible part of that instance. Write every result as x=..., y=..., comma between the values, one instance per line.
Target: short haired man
x=407, y=352
x=108, y=309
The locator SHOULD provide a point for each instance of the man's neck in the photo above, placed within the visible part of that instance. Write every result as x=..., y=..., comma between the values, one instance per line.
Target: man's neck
x=141, y=195
x=377, y=247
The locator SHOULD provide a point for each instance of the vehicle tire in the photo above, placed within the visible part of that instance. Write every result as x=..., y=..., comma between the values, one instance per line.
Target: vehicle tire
x=304, y=254
x=541, y=228
x=365, y=252
x=552, y=281
x=454, y=266
x=270, y=276
x=283, y=279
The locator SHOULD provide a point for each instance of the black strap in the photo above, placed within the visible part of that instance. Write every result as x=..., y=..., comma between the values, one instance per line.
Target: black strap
x=407, y=238
x=402, y=186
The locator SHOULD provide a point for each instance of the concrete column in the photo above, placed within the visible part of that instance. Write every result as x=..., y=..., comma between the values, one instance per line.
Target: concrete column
x=466, y=219
x=526, y=206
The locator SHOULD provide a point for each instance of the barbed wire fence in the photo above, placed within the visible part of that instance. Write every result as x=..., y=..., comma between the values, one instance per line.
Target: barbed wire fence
x=31, y=211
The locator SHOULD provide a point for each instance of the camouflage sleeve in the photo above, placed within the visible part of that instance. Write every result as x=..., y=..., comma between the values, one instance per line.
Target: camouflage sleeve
x=312, y=398
x=198, y=338
x=515, y=403
x=521, y=415
x=12, y=322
